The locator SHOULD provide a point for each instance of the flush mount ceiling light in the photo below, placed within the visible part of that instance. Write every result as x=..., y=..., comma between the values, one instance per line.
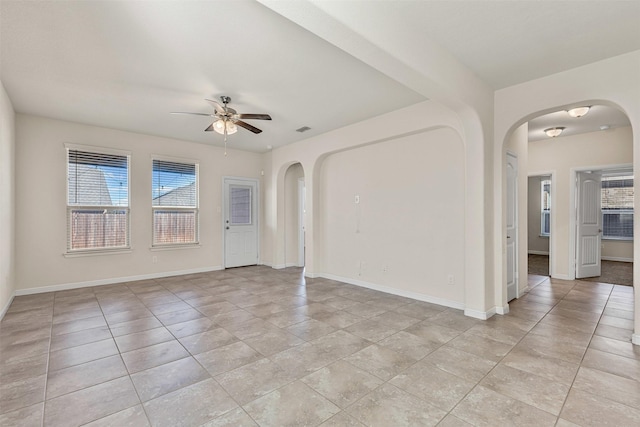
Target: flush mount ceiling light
x=578, y=111
x=553, y=132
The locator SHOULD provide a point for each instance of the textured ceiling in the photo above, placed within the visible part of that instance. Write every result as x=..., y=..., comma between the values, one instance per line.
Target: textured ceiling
x=127, y=64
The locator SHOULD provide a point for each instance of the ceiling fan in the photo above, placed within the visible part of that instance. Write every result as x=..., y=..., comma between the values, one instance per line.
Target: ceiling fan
x=226, y=120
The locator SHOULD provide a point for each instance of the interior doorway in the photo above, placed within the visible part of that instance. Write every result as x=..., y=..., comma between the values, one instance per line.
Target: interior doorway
x=294, y=216
x=539, y=225
x=607, y=250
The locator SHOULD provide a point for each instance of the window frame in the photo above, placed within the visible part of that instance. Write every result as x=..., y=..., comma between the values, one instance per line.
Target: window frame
x=620, y=175
x=70, y=208
x=545, y=212
x=176, y=209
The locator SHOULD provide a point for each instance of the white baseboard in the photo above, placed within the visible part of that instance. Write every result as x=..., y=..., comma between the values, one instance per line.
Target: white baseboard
x=312, y=275
x=477, y=314
x=396, y=291
x=502, y=310
x=635, y=339
x=615, y=258
x=7, y=305
x=291, y=264
x=279, y=266
x=114, y=280
x=538, y=252
x=562, y=277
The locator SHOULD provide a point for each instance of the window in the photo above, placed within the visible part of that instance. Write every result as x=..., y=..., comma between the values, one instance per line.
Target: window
x=617, y=207
x=97, y=200
x=545, y=207
x=175, y=203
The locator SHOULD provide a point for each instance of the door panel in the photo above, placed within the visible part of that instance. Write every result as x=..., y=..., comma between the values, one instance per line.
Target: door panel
x=589, y=223
x=240, y=226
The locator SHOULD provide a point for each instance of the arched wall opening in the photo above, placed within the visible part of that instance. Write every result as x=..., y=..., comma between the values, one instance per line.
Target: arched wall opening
x=562, y=159
x=294, y=216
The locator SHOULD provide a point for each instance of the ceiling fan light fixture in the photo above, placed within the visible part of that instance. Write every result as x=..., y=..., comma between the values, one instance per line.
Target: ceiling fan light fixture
x=219, y=126
x=553, y=132
x=579, y=111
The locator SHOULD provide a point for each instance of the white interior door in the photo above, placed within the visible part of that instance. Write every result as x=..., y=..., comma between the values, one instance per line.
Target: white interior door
x=512, y=227
x=589, y=220
x=240, y=222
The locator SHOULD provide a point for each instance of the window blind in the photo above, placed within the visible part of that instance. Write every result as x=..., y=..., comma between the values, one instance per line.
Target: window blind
x=175, y=203
x=97, y=201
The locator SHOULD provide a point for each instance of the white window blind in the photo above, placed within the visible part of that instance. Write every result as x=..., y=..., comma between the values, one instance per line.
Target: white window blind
x=617, y=207
x=97, y=200
x=240, y=206
x=175, y=203
x=545, y=207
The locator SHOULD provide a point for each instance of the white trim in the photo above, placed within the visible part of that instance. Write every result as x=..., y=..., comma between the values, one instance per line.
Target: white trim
x=301, y=216
x=96, y=149
x=616, y=258
x=477, y=314
x=172, y=246
x=6, y=307
x=96, y=252
x=173, y=159
x=635, y=339
x=279, y=266
x=530, y=252
x=291, y=264
x=502, y=310
x=111, y=281
x=394, y=291
x=312, y=275
x=563, y=277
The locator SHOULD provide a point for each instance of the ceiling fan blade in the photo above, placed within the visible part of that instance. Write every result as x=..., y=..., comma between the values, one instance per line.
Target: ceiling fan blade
x=192, y=114
x=247, y=126
x=254, y=116
x=216, y=105
x=210, y=128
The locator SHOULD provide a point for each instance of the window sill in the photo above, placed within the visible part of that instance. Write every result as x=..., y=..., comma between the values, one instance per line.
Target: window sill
x=174, y=247
x=618, y=239
x=80, y=254
x=544, y=236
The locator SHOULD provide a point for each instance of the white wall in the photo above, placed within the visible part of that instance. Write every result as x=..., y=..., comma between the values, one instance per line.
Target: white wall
x=596, y=149
x=518, y=146
x=536, y=243
x=7, y=201
x=291, y=216
x=41, y=200
x=407, y=231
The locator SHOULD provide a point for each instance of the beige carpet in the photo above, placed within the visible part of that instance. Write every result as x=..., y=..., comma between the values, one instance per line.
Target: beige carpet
x=618, y=273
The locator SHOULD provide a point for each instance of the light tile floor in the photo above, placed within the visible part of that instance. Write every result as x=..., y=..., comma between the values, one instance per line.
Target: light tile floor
x=256, y=346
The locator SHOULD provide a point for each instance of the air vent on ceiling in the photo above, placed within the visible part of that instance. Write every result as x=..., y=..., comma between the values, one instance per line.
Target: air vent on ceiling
x=303, y=129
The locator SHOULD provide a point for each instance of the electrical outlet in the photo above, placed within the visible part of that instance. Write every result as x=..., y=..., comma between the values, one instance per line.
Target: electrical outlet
x=357, y=199
x=451, y=280
x=154, y=259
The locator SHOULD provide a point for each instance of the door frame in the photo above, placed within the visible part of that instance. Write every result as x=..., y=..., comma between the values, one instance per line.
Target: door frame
x=573, y=213
x=516, y=226
x=552, y=219
x=301, y=225
x=224, y=210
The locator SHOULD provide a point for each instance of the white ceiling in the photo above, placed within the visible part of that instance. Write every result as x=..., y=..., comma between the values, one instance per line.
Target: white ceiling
x=127, y=64
x=598, y=115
